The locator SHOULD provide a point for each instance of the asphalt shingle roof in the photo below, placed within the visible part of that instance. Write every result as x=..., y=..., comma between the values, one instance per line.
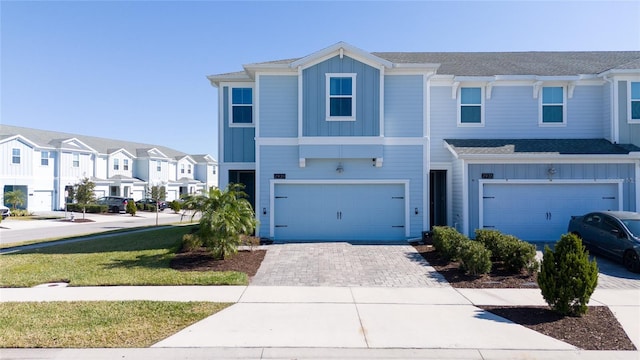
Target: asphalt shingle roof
x=539, y=146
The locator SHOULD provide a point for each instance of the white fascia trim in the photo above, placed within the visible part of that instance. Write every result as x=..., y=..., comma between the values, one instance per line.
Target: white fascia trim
x=451, y=149
x=405, y=183
x=342, y=49
x=218, y=80
x=556, y=159
x=21, y=139
x=481, y=184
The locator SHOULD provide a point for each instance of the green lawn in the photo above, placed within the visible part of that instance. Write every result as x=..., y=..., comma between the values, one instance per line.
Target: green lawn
x=97, y=324
x=128, y=259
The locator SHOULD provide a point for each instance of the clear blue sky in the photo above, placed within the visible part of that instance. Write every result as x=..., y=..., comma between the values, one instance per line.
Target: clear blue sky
x=134, y=70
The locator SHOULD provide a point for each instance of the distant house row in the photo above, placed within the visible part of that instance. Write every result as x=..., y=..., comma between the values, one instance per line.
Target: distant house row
x=46, y=164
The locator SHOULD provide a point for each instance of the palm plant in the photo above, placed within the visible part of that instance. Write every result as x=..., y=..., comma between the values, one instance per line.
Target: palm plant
x=15, y=198
x=226, y=215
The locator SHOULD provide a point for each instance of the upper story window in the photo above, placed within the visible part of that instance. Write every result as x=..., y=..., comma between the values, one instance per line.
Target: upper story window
x=341, y=97
x=634, y=106
x=552, y=106
x=116, y=164
x=470, y=101
x=125, y=164
x=214, y=170
x=44, y=158
x=189, y=169
x=241, y=106
x=76, y=160
x=15, y=156
x=158, y=165
x=181, y=168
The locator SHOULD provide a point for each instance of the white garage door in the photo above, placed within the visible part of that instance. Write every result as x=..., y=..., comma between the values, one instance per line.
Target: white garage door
x=541, y=212
x=339, y=212
x=41, y=201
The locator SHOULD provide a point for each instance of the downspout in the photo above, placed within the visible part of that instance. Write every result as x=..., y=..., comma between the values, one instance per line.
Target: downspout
x=614, y=110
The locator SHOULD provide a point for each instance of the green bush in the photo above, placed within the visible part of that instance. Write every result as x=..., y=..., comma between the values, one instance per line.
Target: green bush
x=191, y=242
x=140, y=207
x=567, y=278
x=91, y=208
x=495, y=241
x=132, y=208
x=176, y=206
x=20, y=212
x=448, y=242
x=151, y=208
x=475, y=259
x=522, y=256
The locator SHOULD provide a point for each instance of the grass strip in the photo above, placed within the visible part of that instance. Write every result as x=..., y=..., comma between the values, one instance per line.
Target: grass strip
x=141, y=258
x=98, y=324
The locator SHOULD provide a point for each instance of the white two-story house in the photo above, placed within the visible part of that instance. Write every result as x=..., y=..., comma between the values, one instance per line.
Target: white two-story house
x=45, y=165
x=344, y=144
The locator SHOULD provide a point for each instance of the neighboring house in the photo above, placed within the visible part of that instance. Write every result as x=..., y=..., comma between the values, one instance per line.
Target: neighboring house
x=46, y=164
x=347, y=144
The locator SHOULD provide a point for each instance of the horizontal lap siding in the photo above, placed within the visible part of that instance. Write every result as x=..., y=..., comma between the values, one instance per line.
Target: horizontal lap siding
x=403, y=105
x=278, y=106
x=400, y=163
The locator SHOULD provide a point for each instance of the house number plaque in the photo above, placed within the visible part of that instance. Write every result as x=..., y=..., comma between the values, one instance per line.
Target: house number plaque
x=487, y=175
x=279, y=176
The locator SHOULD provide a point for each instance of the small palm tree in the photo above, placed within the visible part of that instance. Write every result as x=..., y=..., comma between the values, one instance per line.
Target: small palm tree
x=15, y=198
x=226, y=215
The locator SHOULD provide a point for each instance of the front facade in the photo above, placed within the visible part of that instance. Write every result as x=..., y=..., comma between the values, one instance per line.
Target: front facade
x=348, y=145
x=45, y=165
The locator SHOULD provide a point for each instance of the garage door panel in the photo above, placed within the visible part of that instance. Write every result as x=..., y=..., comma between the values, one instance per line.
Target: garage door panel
x=541, y=212
x=339, y=211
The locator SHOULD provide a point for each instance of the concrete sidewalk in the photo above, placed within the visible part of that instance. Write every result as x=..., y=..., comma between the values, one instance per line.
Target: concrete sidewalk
x=274, y=322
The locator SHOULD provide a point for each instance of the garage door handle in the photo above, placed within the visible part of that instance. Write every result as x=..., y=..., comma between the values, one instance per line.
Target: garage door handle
x=339, y=215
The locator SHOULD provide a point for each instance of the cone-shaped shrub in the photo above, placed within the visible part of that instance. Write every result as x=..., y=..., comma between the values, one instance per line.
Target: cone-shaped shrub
x=567, y=278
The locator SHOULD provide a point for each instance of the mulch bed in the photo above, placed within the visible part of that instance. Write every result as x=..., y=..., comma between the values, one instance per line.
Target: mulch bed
x=597, y=330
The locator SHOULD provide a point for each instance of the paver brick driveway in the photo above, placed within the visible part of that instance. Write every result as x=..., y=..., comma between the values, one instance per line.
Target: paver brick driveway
x=345, y=264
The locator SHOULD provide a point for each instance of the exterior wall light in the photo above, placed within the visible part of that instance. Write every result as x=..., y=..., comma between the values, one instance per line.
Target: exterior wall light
x=340, y=168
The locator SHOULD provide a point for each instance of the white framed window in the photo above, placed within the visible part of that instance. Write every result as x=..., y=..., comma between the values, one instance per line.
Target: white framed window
x=189, y=169
x=44, y=158
x=470, y=106
x=634, y=102
x=181, y=168
x=214, y=170
x=76, y=160
x=241, y=105
x=341, y=97
x=553, y=105
x=125, y=164
x=158, y=165
x=116, y=164
x=15, y=156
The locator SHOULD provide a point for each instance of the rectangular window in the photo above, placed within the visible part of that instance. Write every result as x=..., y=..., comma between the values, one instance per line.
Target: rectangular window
x=242, y=106
x=471, y=106
x=553, y=105
x=214, y=170
x=635, y=102
x=44, y=158
x=181, y=168
x=158, y=165
x=116, y=164
x=125, y=164
x=15, y=156
x=189, y=169
x=76, y=160
x=341, y=97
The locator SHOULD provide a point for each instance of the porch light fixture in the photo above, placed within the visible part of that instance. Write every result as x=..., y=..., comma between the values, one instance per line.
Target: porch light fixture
x=340, y=168
x=551, y=171
x=416, y=211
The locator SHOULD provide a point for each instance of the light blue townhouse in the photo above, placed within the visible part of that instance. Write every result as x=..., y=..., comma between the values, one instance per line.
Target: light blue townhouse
x=344, y=144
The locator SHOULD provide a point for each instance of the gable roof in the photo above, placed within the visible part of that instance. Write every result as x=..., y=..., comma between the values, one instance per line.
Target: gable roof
x=531, y=147
x=531, y=63
x=55, y=139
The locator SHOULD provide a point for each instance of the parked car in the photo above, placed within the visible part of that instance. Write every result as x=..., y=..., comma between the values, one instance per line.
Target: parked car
x=115, y=204
x=4, y=211
x=163, y=204
x=615, y=234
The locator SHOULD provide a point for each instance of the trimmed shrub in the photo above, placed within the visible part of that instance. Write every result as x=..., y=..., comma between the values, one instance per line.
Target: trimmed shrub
x=132, y=208
x=91, y=208
x=475, y=259
x=522, y=256
x=567, y=278
x=448, y=242
x=176, y=206
x=140, y=207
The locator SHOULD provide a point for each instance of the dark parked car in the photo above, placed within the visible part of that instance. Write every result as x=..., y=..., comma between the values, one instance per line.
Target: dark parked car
x=615, y=234
x=115, y=203
x=163, y=204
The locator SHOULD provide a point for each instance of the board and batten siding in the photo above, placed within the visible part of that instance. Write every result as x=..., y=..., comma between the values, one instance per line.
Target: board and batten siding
x=278, y=105
x=239, y=142
x=628, y=132
x=403, y=105
x=367, y=99
x=563, y=172
x=512, y=113
x=399, y=164
x=25, y=168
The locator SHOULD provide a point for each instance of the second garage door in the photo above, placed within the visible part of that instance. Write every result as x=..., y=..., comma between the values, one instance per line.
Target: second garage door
x=541, y=212
x=372, y=212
